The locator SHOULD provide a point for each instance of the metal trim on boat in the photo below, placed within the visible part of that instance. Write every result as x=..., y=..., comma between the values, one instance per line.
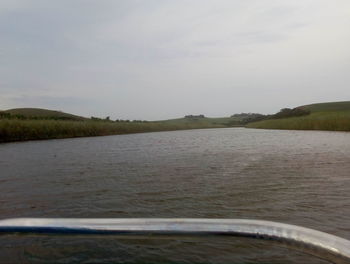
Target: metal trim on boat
x=320, y=244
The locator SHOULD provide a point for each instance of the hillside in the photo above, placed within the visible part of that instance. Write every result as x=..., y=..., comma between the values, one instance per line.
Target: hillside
x=39, y=113
x=328, y=107
x=332, y=116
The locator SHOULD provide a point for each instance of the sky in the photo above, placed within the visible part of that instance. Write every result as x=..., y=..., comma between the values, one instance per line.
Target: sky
x=162, y=59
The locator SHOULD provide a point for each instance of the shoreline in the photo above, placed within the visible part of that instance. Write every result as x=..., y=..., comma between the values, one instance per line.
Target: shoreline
x=322, y=121
x=30, y=130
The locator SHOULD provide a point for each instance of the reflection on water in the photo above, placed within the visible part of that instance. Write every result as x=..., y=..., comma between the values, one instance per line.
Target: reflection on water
x=296, y=177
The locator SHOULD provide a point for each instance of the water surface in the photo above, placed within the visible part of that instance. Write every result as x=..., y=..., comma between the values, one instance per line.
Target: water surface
x=296, y=177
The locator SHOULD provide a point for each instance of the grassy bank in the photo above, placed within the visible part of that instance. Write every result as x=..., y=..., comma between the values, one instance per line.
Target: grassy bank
x=34, y=123
x=326, y=116
x=20, y=130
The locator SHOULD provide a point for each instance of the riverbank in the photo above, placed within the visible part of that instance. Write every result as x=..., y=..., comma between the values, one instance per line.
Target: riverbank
x=319, y=121
x=329, y=121
x=35, y=124
x=325, y=116
x=22, y=130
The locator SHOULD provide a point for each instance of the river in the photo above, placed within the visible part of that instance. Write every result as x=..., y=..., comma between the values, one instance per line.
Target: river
x=295, y=177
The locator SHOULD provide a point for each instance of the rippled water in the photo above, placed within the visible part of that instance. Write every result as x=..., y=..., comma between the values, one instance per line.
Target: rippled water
x=296, y=177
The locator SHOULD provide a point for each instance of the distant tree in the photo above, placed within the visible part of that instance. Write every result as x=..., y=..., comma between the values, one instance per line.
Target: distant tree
x=245, y=118
x=288, y=112
x=194, y=116
x=4, y=115
x=96, y=118
x=253, y=118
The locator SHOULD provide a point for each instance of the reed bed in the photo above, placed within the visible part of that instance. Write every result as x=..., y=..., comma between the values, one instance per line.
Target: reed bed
x=21, y=130
x=331, y=121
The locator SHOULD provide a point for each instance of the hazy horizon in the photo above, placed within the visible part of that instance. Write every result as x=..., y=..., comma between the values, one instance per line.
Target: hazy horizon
x=169, y=118
x=158, y=60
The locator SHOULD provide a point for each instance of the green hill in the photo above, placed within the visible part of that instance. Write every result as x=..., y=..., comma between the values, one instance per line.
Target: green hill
x=332, y=116
x=328, y=107
x=38, y=113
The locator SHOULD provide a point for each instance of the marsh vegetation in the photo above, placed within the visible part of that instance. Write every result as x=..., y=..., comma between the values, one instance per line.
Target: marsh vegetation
x=20, y=130
x=325, y=116
x=31, y=123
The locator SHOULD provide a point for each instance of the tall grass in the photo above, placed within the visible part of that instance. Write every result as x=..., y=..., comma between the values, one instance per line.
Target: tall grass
x=20, y=130
x=332, y=121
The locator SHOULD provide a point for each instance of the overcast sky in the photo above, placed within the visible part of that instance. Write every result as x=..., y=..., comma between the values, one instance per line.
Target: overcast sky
x=160, y=59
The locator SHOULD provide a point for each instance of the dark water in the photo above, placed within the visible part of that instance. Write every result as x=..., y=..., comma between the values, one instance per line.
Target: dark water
x=296, y=177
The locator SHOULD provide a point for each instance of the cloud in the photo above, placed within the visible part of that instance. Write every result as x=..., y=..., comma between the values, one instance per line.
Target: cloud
x=126, y=58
